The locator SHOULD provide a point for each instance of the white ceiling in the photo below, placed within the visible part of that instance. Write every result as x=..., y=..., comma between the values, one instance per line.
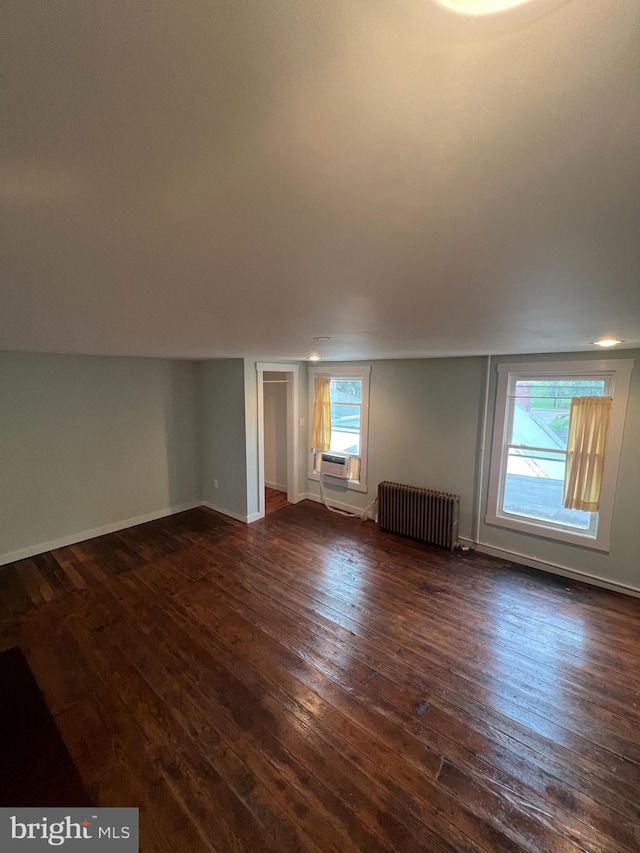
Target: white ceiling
x=210, y=178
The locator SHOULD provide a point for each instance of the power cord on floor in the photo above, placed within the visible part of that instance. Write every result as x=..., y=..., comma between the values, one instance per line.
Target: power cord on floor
x=363, y=516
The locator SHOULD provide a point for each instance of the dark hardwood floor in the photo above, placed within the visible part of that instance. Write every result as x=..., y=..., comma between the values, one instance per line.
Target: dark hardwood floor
x=307, y=683
x=274, y=500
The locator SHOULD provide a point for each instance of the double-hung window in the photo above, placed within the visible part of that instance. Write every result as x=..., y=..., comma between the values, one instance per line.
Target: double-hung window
x=344, y=426
x=532, y=446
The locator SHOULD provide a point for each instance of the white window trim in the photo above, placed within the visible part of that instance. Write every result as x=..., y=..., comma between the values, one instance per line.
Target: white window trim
x=619, y=371
x=336, y=372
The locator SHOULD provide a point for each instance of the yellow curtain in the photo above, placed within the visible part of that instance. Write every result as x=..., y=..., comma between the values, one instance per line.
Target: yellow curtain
x=354, y=468
x=321, y=426
x=588, y=424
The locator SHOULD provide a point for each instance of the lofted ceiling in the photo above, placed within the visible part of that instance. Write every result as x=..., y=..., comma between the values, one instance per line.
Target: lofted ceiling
x=216, y=178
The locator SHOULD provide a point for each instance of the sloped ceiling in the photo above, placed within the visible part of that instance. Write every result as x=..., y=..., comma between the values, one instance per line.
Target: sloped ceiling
x=235, y=177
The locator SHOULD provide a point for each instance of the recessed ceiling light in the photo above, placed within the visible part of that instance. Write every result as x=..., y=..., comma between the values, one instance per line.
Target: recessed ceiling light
x=323, y=338
x=314, y=357
x=608, y=342
x=481, y=7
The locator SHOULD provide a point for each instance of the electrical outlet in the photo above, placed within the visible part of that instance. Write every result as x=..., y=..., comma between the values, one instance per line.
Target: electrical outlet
x=215, y=484
x=301, y=422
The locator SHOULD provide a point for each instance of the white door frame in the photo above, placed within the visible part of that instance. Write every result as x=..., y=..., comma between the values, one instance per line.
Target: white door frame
x=291, y=371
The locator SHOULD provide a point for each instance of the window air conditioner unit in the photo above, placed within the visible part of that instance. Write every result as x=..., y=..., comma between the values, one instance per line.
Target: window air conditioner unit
x=336, y=465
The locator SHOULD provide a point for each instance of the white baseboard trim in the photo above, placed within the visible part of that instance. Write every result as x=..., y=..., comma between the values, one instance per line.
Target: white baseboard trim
x=224, y=511
x=245, y=519
x=277, y=486
x=552, y=568
x=74, y=538
x=337, y=504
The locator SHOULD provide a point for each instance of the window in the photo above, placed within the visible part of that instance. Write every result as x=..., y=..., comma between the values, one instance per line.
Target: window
x=349, y=410
x=529, y=454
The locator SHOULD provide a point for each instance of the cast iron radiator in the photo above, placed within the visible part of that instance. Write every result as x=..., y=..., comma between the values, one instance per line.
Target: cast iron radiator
x=422, y=514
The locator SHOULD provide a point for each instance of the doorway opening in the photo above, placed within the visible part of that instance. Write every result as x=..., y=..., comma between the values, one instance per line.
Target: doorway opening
x=274, y=499
x=277, y=436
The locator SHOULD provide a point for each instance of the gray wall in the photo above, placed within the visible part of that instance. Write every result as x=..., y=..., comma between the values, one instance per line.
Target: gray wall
x=223, y=440
x=87, y=442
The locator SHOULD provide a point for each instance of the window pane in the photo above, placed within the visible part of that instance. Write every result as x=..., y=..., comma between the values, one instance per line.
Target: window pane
x=345, y=418
x=349, y=418
x=346, y=390
x=345, y=442
x=346, y=398
x=541, y=409
x=345, y=428
x=533, y=488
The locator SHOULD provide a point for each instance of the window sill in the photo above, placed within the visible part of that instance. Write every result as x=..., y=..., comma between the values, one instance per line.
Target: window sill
x=352, y=485
x=583, y=540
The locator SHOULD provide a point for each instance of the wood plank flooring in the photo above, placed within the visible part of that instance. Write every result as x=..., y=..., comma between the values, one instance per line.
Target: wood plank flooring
x=274, y=500
x=307, y=683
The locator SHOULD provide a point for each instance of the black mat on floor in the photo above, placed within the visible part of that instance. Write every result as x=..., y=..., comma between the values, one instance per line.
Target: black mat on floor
x=35, y=767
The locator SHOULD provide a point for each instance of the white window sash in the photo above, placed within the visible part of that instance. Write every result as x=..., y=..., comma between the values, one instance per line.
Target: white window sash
x=362, y=373
x=617, y=376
